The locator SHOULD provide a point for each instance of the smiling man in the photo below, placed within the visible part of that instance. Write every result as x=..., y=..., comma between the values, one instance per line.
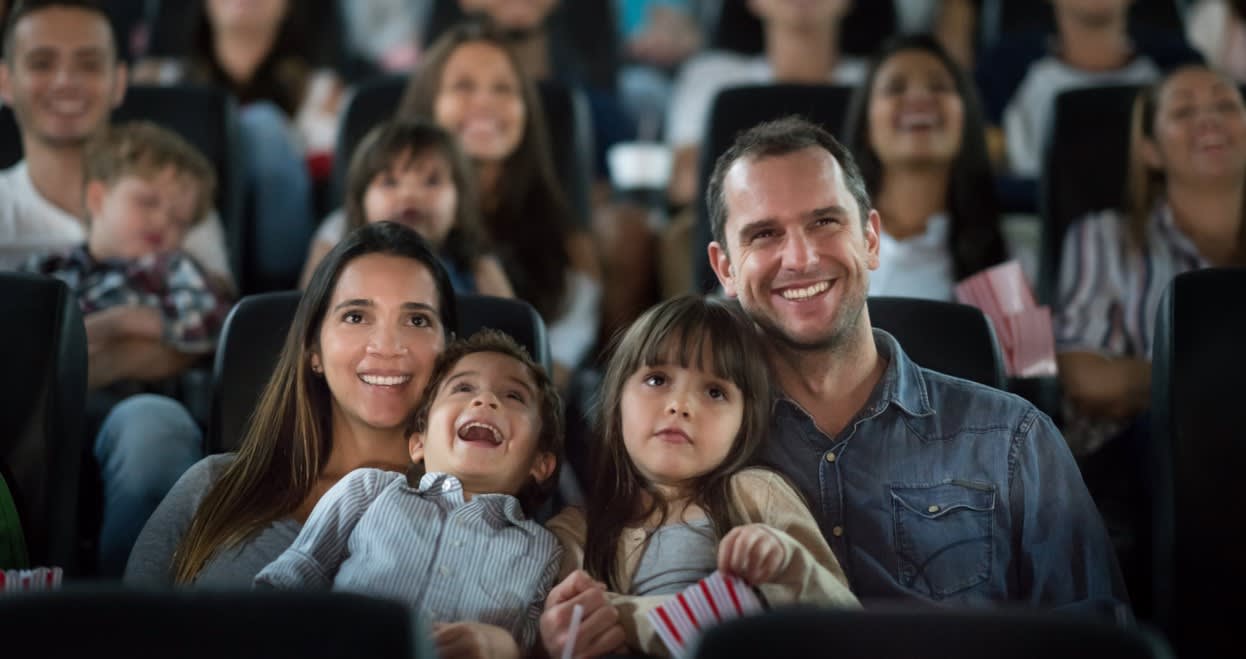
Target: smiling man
x=927, y=487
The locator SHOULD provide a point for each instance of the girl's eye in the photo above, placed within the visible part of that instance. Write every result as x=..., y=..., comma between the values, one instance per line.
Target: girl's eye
x=717, y=393
x=655, y=380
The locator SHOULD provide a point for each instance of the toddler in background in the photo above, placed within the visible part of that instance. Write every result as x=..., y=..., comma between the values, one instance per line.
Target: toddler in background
x=150, y=310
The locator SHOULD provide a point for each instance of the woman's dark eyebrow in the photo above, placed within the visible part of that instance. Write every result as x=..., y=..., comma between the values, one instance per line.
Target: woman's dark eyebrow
x=407, y=306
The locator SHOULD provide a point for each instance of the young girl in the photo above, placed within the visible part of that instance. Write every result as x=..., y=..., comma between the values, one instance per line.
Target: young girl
x=685, y=403
x=412, y=172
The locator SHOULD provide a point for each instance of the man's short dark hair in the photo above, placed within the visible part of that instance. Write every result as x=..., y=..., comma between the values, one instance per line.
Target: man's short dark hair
x=23, y=8
x=779, y=138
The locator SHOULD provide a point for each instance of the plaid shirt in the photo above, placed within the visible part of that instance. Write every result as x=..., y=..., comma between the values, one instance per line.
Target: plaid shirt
x=173, y=283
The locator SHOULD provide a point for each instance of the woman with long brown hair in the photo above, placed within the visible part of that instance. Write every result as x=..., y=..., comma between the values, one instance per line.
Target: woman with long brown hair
x=471, y=83
x=373, y=319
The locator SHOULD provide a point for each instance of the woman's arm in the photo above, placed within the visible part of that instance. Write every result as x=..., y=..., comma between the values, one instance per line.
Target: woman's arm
x=1100, y=386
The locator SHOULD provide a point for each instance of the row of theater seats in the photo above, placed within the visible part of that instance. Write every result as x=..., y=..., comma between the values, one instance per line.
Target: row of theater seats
x=1197, y=412
x=313, y=625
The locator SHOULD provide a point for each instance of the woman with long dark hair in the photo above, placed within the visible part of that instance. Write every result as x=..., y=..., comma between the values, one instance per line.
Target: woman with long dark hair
x=377, y=313
x=917, y=131
x=471, y=84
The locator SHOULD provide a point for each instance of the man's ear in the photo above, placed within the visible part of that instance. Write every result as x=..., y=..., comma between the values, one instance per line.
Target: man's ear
x=415, y=447
x=873, y=231
x=720, y=261
x=543, y=466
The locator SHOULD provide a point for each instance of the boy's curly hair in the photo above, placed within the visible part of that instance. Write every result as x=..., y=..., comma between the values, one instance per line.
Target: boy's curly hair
x=550, y=437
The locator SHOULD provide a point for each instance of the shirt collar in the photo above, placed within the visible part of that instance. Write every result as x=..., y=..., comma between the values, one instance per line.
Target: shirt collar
x=902, y=383
x=500, y=507
x=1166, y=224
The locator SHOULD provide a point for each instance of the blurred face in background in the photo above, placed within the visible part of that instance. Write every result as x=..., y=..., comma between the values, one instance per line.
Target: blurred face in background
x=246, y=15
x=512, y=15
x=61, y=75
x=480, y=101
x=1199, y=129
x=799, y=13
x=1094, y=13
x=916, y=114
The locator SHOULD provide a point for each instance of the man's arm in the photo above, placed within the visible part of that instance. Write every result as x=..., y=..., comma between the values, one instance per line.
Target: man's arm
x=1065, y=556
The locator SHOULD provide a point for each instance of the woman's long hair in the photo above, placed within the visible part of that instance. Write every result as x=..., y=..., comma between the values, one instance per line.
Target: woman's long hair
x=691, y=332
x=974, y=236
x=1145, y=185
x=381, y=148
x=531, y=221
x=282, y=75
x=288, y=440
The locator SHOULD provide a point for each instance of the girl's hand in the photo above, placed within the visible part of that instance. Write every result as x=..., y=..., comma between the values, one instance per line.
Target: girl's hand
x=473, y=640
x=600, y=631
x=752, y=553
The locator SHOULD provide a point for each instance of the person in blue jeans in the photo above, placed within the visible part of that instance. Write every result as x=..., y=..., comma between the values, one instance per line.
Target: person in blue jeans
x=927, y=487
x=144, y=445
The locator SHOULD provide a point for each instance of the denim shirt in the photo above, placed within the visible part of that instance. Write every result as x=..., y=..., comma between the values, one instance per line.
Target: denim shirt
x=946, y=491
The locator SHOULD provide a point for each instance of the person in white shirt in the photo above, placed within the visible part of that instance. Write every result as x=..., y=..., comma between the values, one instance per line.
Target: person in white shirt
x=917, y=130
x=802, y=45
x=1092, y=48
x=61, y=75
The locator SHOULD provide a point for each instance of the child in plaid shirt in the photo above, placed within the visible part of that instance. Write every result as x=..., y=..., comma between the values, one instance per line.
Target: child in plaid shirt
x=149, y=309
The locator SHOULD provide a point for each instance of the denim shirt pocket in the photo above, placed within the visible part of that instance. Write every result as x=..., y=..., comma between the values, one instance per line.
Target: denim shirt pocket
x=943, y=535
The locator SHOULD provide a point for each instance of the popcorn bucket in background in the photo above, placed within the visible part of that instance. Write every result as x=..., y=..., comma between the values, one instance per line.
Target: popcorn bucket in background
x=1022, y=326
x=24, y=581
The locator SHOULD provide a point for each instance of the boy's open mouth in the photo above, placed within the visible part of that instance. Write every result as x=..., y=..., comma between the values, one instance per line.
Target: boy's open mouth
x=480, y=432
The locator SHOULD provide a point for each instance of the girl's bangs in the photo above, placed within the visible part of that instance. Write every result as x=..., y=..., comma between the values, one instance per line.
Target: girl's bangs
x=702, y=336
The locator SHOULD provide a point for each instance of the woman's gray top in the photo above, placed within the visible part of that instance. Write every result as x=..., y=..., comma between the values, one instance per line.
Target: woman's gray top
x=677, y=556
x=151, y=560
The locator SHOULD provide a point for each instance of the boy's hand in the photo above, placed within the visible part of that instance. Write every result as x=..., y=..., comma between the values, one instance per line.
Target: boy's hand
x=600, y=631
x=752, y=553
x=473, y=640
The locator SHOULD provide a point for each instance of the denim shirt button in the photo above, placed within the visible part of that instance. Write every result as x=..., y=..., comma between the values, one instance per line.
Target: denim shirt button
x=932, y=509
x=830, y=456
x=837, y=531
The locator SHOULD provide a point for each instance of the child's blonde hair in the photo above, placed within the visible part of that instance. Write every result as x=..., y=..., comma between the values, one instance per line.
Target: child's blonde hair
x=143, y=149
x=691, y=331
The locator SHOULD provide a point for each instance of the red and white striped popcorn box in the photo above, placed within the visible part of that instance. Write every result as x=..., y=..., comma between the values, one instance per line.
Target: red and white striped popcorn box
x=36, y=579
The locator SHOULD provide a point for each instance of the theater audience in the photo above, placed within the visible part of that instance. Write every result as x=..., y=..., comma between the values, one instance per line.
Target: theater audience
x=473, y=86
x=916, y=129
x=374, y=317
x=412, y=172
x=262, y=54
x=1093, y=45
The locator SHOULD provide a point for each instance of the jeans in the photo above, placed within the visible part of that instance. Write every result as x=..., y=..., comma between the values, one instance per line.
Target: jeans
x=279, y=189
x=144, y=445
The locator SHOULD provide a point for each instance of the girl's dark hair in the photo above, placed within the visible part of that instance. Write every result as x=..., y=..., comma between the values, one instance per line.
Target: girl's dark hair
x=691, y=332
x=414, y=138
x=550, y=439
x=974, y=235
x=289, y=437
x=282, y=75
x=531, y=221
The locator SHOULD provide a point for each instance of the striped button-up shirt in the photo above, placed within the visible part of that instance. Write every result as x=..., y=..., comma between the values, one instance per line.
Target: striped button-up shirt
x=451, y=560
x=1110, y=292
